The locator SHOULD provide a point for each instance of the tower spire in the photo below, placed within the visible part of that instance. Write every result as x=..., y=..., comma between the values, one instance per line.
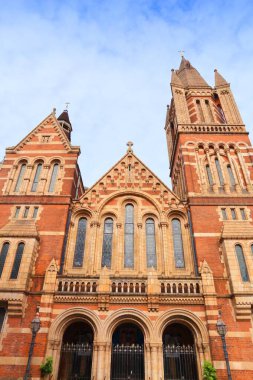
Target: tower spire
x=65, y=122
x=219, y=80
x=189, y=76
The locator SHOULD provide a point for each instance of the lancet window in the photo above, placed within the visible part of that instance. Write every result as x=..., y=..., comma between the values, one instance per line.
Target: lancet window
x=20, y=177
x=80, y=243
x=129, y=237
x=107, y=243
x=219, y=171
x=231, y=176
x=178, y=243
x=242, y=263
x=17, y=261
x=53, y=178
x=36, y=177
x=209, y=175
x=3, y=255
x=150, y=243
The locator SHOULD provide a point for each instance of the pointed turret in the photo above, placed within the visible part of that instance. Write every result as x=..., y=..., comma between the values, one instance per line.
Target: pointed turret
x=175, y=79
x=65, y=123
x=189, y=76
x=219, y=80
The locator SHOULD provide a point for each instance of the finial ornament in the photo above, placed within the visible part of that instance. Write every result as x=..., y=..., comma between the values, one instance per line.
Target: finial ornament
x=181, y=53
x=67, y=105
x=130, y=144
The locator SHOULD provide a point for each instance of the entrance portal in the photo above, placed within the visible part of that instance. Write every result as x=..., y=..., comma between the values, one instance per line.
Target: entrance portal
x=127, y=353
x=76, y=352
x=179, y=353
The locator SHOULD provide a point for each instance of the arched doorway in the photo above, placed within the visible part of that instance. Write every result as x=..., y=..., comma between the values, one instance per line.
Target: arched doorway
x=76, y=352
x=127, y=353
x=179, y=354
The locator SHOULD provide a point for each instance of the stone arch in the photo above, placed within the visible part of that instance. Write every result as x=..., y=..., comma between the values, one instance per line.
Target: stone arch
x=188, y=319
x=128, y=315
x=59, y=326
x=63, y=320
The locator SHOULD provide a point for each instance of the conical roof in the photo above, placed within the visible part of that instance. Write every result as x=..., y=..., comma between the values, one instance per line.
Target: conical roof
x=189, y=76
x=64, y=116
x=219, y=80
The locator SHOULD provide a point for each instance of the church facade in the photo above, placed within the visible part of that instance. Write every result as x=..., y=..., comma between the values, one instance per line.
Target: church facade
x=128, y=276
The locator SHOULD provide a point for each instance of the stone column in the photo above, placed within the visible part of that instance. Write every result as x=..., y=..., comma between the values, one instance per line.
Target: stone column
x=101, y=361
x=226, y=184
x=200, y=170
x=160, y=361
x=94, y=361
x=147, y=361
x=154, y=361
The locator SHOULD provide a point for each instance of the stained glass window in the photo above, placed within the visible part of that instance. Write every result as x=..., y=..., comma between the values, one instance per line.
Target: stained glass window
x=178, y=243
x=17, y=261
x=80, y=242
x=53, y=178
x=150, y=243
x=242, y=263
x=3, y=255
x=129, y=236
x=36, y=177
x=209, y=175
x=107, y=243
x=220, y=175
x=231, y=176
x=20, y=177
x=2, y=316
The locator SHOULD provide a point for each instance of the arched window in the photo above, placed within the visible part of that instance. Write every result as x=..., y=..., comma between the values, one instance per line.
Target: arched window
x=36, y=177
x=80, y=242
x=220, y=175
x=221, y=114
x=53, y=178
x=3, y=255
x=150, y=243
x=231, y=176
x=129, y=237
x=178, y=243
x=251, y=248
x=107, y=243
x=20, y=177
x=209, y=175
x=242, y=263
x=17, y=261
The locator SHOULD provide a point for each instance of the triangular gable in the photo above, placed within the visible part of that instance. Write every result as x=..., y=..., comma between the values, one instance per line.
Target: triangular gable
x=128, y=174
x=50, y=123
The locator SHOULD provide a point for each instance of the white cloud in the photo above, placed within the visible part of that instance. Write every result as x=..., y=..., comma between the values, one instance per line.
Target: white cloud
x=111, y=60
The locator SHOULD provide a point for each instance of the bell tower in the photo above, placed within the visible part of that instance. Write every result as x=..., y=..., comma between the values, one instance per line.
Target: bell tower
x=206, y=136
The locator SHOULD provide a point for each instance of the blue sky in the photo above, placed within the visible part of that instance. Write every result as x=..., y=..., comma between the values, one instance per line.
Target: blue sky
x=111, y=60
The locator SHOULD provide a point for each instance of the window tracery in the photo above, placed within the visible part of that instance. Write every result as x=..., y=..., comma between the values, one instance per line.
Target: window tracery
x=80, y=243
x=242, y=263
x=178, y=243
x=129, y=237
x=17, y=261
x=150, y=243
x=107, y=243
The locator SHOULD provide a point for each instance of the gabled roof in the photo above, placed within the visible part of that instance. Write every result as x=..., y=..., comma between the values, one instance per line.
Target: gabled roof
x=129, y=174
x=189, y=76
x=49, y=122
